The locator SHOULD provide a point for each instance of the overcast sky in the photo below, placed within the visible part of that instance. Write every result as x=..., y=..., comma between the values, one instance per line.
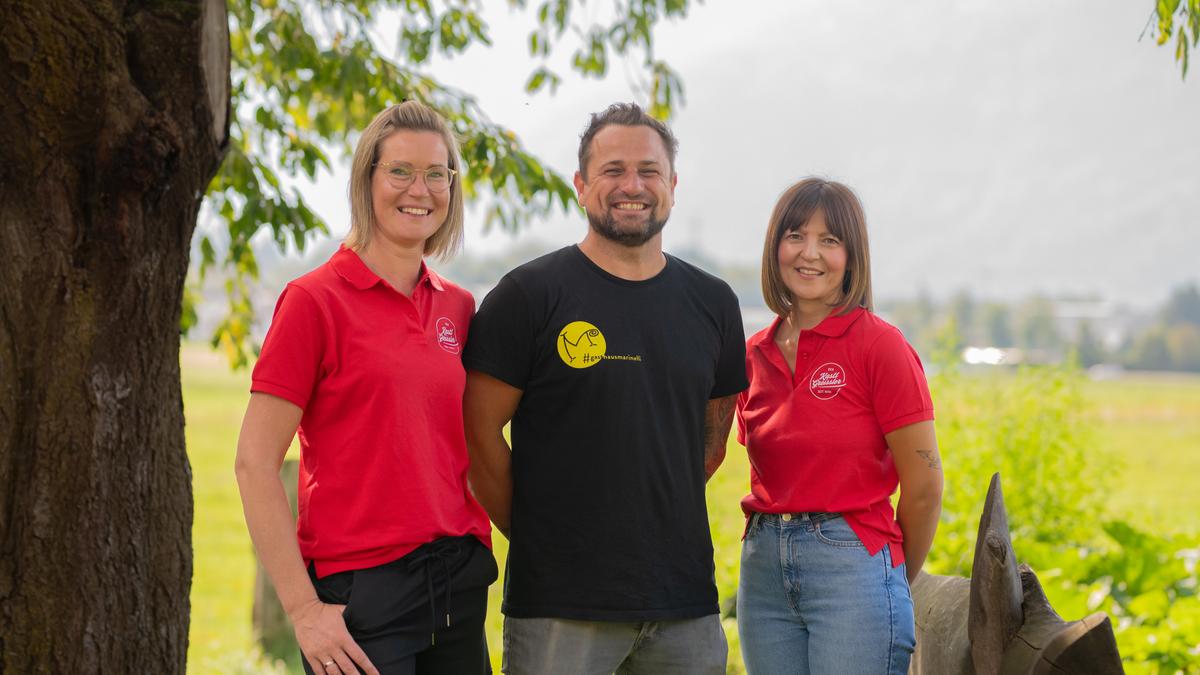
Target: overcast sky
x=1002, y=147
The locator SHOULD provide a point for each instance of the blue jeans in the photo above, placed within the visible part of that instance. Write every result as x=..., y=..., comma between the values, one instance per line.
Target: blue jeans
x=811, y=600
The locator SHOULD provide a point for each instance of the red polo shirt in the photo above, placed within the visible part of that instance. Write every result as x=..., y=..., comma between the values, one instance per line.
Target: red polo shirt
x=816, y=438
x=379, y=376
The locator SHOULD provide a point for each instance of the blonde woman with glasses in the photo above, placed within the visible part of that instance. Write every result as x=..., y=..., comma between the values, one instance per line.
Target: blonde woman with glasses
x=387, y=569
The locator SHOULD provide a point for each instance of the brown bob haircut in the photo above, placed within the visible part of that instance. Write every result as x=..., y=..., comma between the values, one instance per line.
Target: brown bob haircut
x=845, y=220
x=407, y=116
x=625, y=115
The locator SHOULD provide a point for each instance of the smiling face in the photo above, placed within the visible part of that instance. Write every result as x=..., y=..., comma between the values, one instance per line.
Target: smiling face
x=410, y=215
x=812, y=264
x=629, y=188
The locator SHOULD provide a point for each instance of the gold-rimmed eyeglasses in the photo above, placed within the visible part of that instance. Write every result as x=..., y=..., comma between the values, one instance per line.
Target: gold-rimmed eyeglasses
x=400, y=175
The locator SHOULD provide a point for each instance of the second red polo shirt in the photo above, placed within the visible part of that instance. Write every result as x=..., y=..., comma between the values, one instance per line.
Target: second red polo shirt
x=815, y=438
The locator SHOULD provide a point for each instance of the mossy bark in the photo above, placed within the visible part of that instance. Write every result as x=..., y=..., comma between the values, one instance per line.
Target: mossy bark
x=113, y=119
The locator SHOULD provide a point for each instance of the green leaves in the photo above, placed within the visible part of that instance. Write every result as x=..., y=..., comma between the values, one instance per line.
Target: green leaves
x=522, y=187
x=1034, y=427
x=1148, y=584
x=1166, y=16
x=630, y=29
x=307, y=75
x=1181, y=51
x=592, y=58
x=665, y=90
x=1181, y=19
x=540, y=78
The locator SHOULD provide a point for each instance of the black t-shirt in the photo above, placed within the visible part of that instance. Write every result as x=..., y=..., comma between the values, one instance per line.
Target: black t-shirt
x=608, y=517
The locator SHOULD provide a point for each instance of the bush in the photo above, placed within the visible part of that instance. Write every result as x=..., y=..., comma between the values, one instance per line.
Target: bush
x=1033, y=427
x=1148, y=584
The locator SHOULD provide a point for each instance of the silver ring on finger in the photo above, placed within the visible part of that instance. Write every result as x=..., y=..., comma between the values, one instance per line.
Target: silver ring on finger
x=329, y=664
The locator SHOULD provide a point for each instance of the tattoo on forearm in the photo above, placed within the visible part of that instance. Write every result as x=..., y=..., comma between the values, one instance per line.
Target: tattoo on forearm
x=930, y=457
x=717, y=419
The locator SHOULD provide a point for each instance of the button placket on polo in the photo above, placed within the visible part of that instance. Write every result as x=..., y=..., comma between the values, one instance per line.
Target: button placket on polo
x=806, y=349
x=414, y=325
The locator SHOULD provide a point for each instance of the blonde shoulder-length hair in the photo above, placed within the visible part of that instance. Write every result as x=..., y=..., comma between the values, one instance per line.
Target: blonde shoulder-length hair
x=845, y=219
x=410, y=116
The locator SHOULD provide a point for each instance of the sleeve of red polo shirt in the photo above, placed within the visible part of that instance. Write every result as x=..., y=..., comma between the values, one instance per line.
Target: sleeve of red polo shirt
x=899, y=391
x=290, y=361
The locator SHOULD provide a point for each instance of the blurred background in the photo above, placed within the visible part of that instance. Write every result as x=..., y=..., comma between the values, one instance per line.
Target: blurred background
x=1032, y=189
x=1031, y=167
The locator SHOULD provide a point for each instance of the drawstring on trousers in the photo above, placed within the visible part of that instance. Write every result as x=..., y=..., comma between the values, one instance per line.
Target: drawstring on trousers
x=442, y=554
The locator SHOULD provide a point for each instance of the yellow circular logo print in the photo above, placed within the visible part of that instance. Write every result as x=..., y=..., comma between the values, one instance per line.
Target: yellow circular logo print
x=581, y=345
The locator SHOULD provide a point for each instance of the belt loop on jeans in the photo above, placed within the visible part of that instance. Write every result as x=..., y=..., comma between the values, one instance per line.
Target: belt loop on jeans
x=811, y=516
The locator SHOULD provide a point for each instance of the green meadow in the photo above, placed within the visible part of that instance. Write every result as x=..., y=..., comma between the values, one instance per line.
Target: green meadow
x=1150, y=425
x=1146, y=429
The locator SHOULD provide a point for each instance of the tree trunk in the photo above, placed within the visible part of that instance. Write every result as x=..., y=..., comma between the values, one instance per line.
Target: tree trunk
x=113, y=118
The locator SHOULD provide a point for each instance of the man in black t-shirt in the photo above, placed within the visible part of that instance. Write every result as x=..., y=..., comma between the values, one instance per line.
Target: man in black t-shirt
x=618, y=366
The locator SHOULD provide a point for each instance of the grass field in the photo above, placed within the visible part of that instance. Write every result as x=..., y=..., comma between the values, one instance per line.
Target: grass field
x=1151, y=423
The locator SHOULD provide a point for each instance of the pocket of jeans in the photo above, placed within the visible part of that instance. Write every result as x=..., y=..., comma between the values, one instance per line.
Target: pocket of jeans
x=837, y=532
x=752, y=522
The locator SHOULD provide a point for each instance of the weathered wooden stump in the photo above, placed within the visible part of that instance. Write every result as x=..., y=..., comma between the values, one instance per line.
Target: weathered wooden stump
x=271, y=626
x=999, y=622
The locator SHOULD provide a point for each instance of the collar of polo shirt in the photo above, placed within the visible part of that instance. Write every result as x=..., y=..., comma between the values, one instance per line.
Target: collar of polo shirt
x=351, y=268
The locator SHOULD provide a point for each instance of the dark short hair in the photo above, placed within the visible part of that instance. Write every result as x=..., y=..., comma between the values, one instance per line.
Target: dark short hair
x=626, y=115
x=845, y=219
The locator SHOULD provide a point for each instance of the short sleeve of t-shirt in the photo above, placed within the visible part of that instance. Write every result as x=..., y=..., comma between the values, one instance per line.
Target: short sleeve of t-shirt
x=502, y=336
x=731, y=364
x=899, y=392
x=290, y=361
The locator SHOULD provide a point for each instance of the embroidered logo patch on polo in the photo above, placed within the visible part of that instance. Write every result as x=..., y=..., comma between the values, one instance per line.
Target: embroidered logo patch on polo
x=827, y=380
x=447, y=336
x=581, y=345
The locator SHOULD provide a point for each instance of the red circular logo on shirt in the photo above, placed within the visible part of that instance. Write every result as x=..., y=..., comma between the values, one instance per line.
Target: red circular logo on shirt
x=827, y=381
x=447, y=336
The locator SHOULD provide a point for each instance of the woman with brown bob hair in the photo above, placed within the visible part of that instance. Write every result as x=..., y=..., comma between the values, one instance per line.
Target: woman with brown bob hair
x=838, y=414
x=387, y=568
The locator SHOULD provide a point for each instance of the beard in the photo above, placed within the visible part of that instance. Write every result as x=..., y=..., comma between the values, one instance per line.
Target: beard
x=606, y=226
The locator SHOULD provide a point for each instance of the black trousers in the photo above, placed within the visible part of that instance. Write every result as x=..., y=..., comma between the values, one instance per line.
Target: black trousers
x=421, y=614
